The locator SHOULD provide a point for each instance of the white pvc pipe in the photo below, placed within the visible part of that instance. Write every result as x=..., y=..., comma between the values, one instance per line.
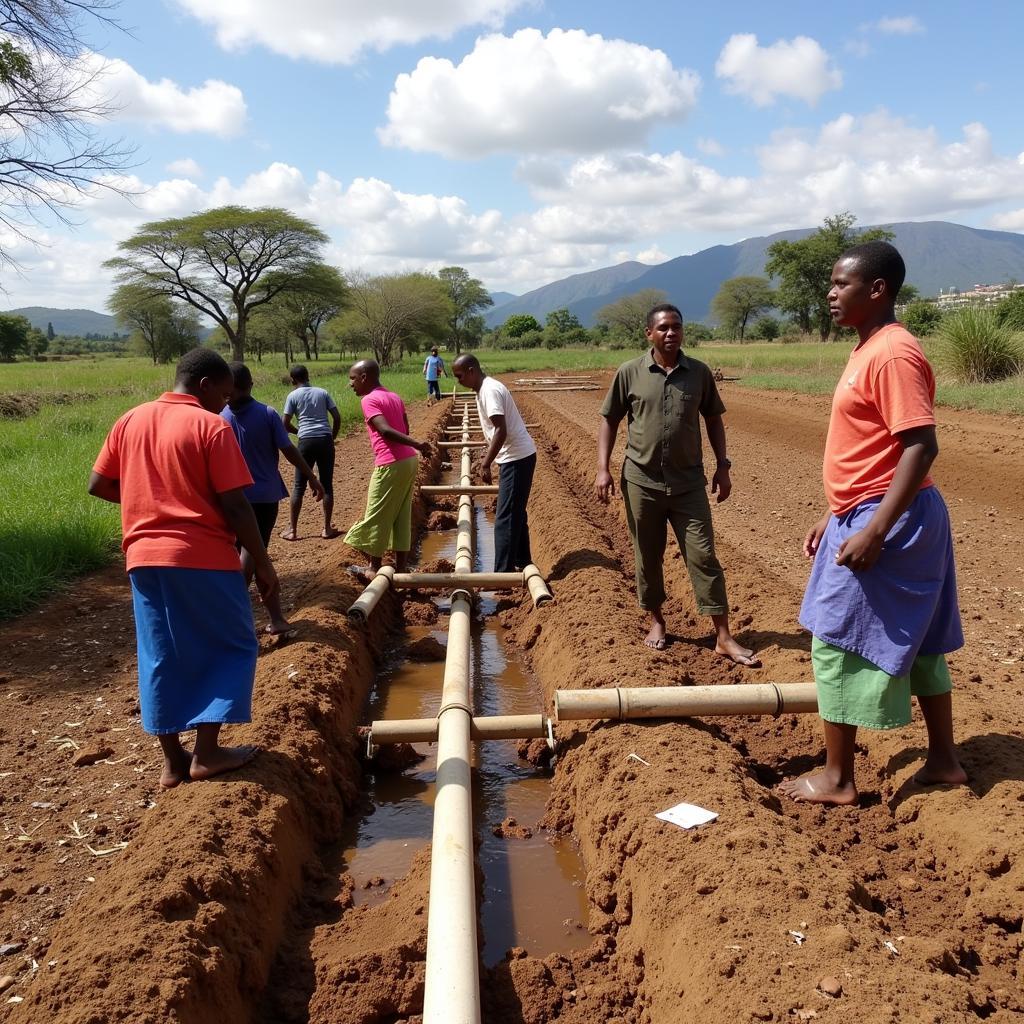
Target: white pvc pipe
x=490, y=727
x=477, y=580
x=537, y=586
x=452, y=993
x=359, y=610
x=459, y=489
x=685, y=701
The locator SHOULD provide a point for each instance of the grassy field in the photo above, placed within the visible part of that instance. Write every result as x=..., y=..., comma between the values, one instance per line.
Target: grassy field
x=51, y=530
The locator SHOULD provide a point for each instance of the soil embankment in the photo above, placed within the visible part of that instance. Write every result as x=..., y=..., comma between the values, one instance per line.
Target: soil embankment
x=229, y=901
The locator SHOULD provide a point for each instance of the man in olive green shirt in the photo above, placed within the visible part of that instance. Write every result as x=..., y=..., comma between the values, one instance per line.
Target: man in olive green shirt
x=664, y=394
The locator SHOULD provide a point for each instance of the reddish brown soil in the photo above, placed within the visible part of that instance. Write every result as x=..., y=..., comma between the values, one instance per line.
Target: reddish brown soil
x=229, y=901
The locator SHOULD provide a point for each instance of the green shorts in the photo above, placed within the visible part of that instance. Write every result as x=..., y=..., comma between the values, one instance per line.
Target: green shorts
x=853, y=691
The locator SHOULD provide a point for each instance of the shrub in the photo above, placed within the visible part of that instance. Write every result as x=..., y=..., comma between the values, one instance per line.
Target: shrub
x=766, y=329
x=921, y=318
x=1010, y=312
x=975, y=348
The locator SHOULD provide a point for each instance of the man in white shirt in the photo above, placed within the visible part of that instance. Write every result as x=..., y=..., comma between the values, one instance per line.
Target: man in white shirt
x=512, y=449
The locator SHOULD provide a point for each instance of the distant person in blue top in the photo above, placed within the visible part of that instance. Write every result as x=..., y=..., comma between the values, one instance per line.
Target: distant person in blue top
x=261, y=435
x=432, y=366
x=312, y=406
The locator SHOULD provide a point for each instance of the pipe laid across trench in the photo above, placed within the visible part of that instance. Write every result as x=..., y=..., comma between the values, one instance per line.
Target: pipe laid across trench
x=685, y=701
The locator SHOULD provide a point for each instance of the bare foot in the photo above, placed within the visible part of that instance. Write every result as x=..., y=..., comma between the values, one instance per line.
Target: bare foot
x=656, y=638
x=329, y=533
x=176, y=770
x=279, y=627
x=944, y=772
x=221, y=760
x=289, y=535
x=817, y=789
x=737, y=653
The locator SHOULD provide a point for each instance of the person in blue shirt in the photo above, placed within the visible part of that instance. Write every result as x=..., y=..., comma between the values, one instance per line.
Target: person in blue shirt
x=261, y=435
x=312, y=406
x=432, y=366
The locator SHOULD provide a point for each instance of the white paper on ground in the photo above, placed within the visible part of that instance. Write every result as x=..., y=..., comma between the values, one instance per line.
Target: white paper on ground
x=687, y=815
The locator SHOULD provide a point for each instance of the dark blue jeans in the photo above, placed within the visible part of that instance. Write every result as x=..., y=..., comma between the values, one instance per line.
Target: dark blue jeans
x=511, y=529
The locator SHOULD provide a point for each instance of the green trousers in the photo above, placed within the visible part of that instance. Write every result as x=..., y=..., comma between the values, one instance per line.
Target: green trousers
x=649, y=513
x=387, y=522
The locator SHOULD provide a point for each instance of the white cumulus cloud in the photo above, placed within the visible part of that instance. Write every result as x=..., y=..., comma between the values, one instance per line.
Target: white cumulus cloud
x=185, y=168
x=904, y=26
x=797, y=68
x=1010, y=220
x=564, y=92
x=215, y=107
x=339, y=31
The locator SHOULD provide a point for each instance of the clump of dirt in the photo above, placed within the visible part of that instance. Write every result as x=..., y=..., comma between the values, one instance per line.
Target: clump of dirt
x=419, y=610
x=16, y=407
x=437, y=565
x=509, y=828
x=425, y=649
x=442, y=521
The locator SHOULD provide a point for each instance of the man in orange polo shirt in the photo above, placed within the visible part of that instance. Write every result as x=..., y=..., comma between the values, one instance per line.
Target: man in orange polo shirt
x=175, y=468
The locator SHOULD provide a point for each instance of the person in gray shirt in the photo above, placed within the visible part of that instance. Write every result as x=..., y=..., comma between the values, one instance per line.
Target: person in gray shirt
x=664, y=395
x=318, y=424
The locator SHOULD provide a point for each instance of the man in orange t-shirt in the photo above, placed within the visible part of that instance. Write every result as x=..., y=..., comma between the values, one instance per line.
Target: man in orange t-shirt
x=175, y=468
x=881, y=603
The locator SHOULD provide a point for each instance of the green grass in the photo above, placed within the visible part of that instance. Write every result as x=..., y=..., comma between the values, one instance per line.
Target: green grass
x=51, y=530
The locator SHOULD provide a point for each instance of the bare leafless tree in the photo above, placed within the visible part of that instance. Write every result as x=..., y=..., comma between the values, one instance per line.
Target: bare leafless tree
x=51, y=106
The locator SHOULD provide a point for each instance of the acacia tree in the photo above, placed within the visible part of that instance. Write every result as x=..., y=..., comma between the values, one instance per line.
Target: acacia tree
x=166, y=329
x=468, y=296
x=225, y=262
x=739, y=299
x=804, y=269
x=50, y=150
x=302, y=310
x=627, y=316
x=390, y=312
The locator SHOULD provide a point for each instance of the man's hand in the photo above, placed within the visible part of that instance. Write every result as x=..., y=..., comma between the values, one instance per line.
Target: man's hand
x=317, y=488
x=814, y=535
x=861, y=550
x=266, y=579
x=721, y=483
x=604, y=486
x=425, y=450
x=485, y=473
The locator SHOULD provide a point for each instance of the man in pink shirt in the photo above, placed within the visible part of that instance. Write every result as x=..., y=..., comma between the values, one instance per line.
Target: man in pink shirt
x=387, y=523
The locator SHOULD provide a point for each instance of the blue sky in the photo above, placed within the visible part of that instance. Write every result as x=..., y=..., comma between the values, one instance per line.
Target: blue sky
x=530, y=140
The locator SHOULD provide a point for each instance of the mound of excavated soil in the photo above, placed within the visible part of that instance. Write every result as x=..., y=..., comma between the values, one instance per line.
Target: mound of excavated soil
x=227, y=900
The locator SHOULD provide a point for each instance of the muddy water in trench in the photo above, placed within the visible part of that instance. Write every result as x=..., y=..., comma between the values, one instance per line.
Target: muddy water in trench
x=534, y=893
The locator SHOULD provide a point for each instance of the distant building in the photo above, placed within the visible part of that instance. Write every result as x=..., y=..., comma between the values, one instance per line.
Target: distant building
x=979, y=295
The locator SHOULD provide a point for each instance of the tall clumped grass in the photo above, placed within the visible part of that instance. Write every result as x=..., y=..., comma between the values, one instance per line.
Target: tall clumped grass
x=975, y=348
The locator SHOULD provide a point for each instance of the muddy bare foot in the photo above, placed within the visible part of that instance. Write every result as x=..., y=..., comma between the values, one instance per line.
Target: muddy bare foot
x=221, y=760
x=945, y=772
x=738, y=653
x=330, y=533
x=817, y=789
x=656, y=638
x=176, y=770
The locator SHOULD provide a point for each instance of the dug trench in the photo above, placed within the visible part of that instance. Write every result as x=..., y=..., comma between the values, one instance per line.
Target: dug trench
x=228, y=902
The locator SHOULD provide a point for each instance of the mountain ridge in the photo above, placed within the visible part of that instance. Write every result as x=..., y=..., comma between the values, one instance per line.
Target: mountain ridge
x=938, y=254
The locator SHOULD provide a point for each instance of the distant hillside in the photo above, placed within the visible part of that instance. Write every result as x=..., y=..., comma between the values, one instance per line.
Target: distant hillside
x=569, y=292
x=939, y=255
x=71, y=321
x=500, y=298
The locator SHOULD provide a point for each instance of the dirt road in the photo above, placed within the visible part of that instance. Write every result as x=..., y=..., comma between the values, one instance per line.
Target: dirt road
x=229, y=902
